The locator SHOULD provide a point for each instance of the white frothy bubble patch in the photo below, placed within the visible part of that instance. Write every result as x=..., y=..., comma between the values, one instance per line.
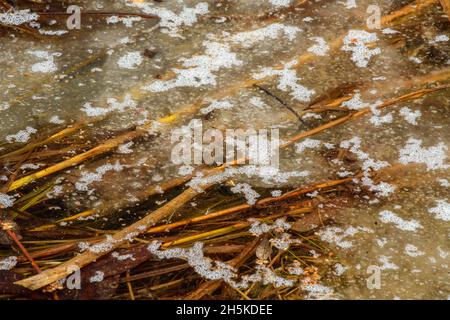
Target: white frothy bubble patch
x=377, y=120
x=6, y=200
x=444, y=183
x=56, y=120
x=349, y=4
x=130, y=60
x=8, y=263
x=387, y=264
x=274, y=31
x=4, y=106
x=280, y=3
x=413, y=251
x=97, y=277
x=308, y=143
x=127, y=21
x=433, y=157
x=88, y=178
x=288, y=81
x=199, y=69
x=257, y=102
x=125, y=148
x=321, y=47
x=410, y=116
x=337, y=236
x=17, y=18
x=113, y=105
x=247, y=190
x=171, y=22
x=21, y=136
x=217, y=270
x=356, y=103
x=217, y=105
x=440, y=38
x=355, y=42
x=46, y=66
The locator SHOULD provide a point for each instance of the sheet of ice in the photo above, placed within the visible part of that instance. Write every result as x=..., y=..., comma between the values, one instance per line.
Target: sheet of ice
x=171, y=22
x=46, y=66
x=130, y=60
x=273, y=31
x=288, y=81
x=17, y=18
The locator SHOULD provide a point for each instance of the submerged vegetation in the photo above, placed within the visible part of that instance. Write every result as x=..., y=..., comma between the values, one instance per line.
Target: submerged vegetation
x=93, y=207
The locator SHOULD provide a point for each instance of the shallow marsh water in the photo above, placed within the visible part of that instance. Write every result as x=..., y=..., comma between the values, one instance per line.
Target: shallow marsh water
x=116, y=75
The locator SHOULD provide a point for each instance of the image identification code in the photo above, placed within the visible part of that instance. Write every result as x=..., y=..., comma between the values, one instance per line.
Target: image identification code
x=226, y=309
